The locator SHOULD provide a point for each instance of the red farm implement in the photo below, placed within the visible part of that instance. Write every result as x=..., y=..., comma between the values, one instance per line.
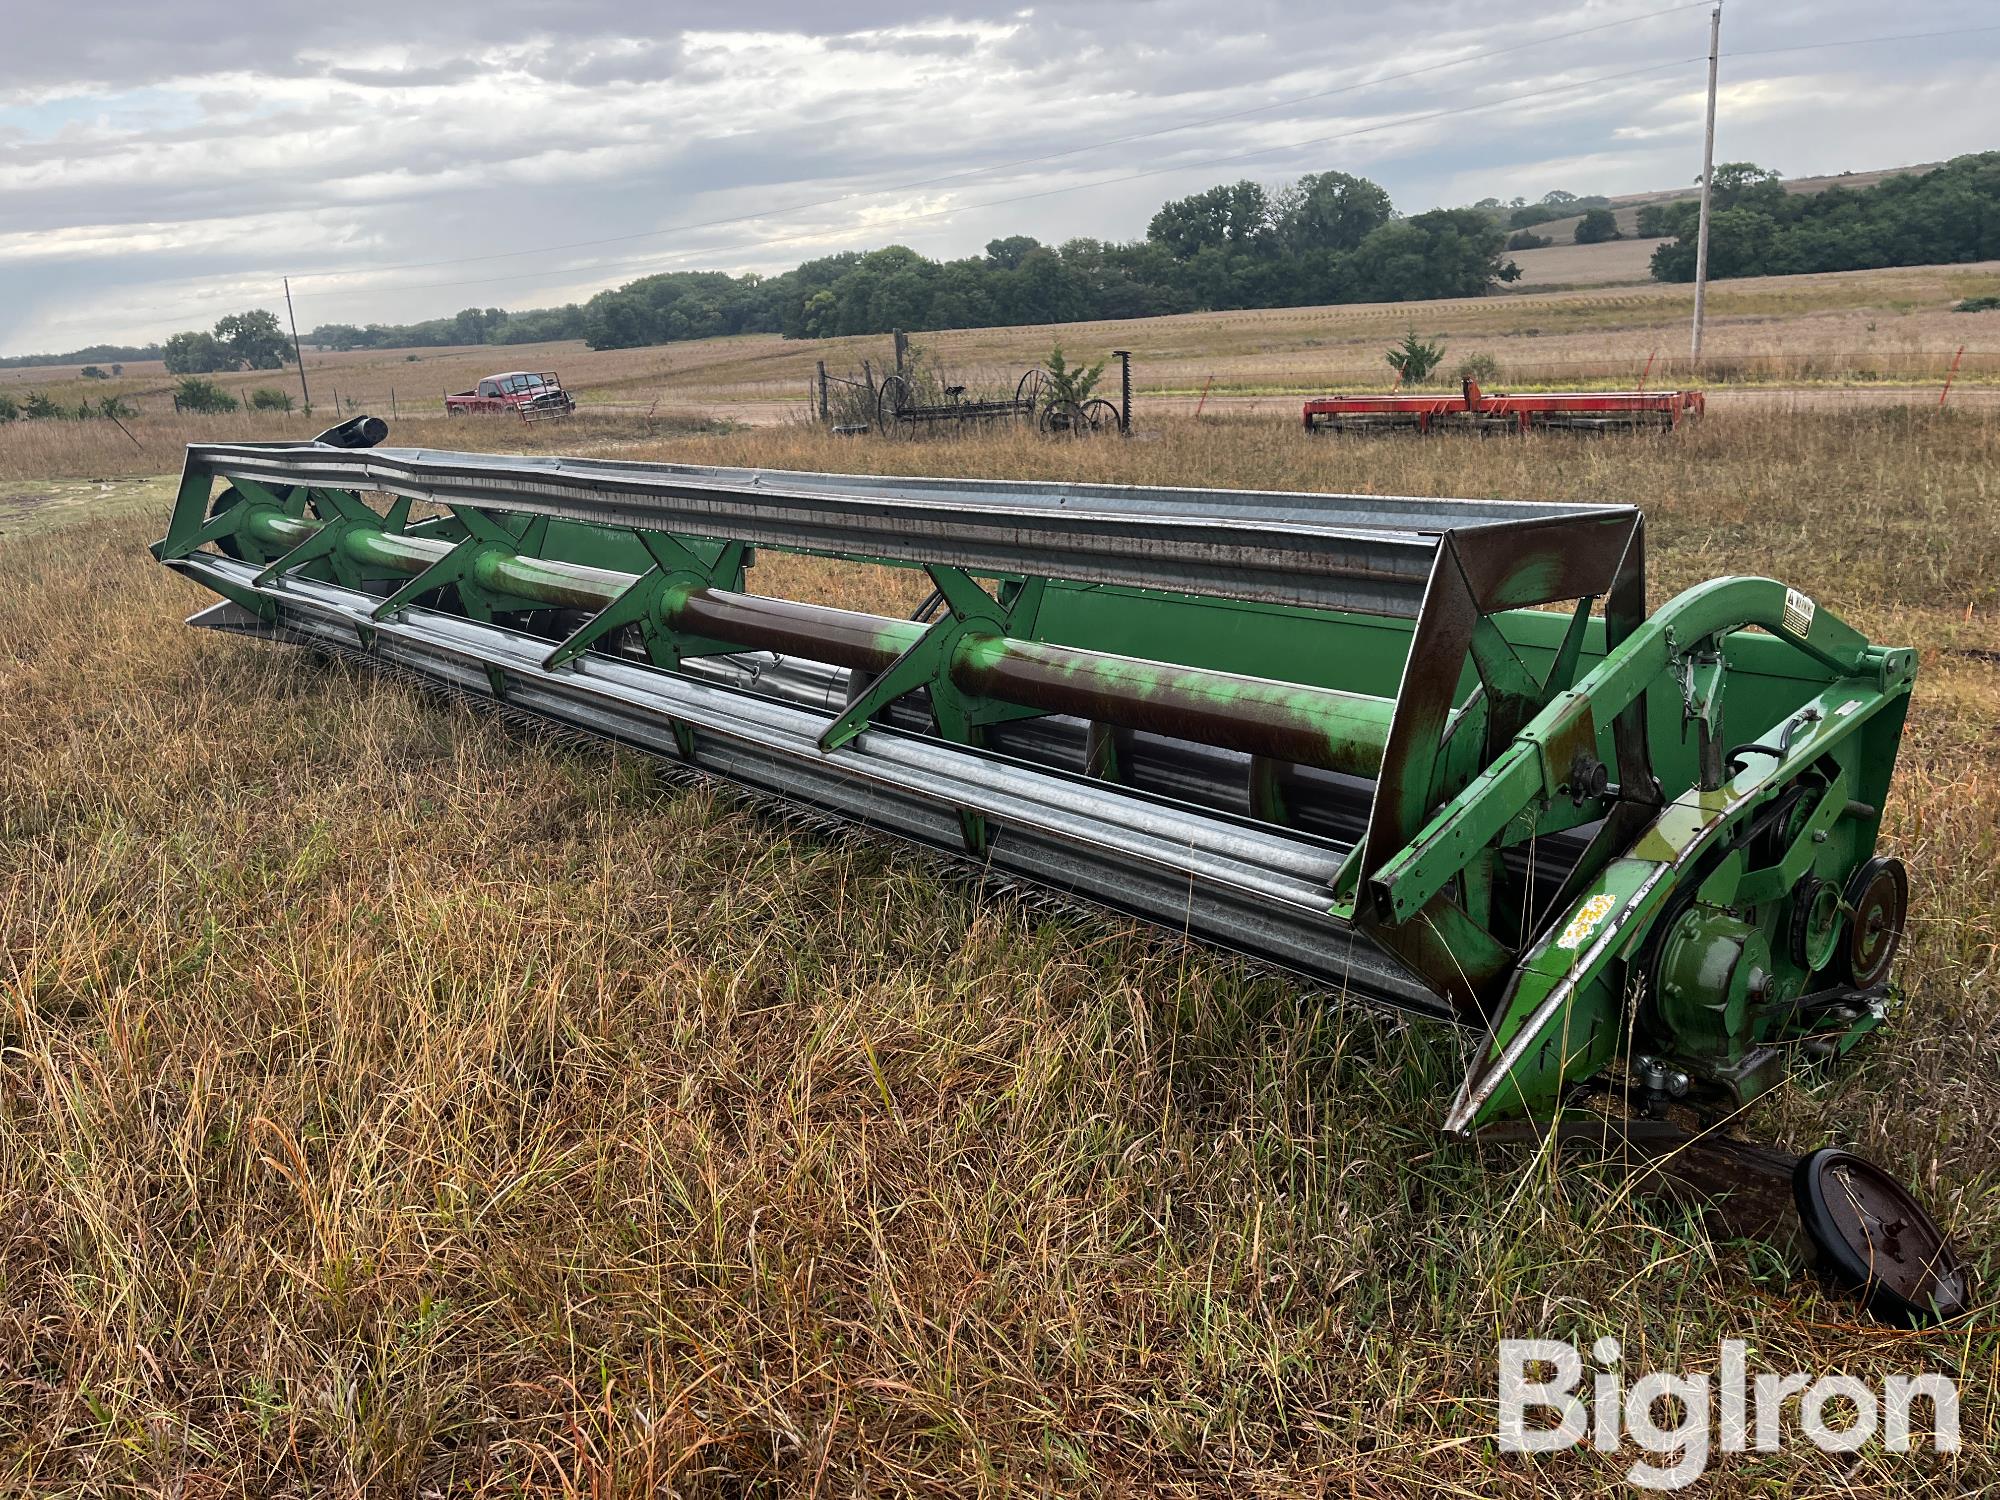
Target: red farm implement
x=1472, y=410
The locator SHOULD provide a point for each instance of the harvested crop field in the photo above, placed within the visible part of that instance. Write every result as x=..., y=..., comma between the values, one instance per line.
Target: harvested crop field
x=1888, y=331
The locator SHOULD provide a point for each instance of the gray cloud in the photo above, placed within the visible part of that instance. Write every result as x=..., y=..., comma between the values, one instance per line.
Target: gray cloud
x=130, y=42
x=162, y=164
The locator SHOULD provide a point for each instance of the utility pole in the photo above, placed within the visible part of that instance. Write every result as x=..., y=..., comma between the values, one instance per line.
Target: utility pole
x=297, y=354
x=1707, y=182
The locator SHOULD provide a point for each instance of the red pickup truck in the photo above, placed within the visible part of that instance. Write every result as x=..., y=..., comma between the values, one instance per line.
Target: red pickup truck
x=523, y=391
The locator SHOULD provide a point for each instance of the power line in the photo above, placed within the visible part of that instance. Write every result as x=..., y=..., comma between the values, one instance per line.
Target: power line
x=1864, y=41
x=1236, y=156
x=1024, y=161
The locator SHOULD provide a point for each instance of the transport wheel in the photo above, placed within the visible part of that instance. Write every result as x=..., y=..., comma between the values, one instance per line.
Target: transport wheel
x=1028, y=390
x=1100, y=415
x=1062, y=419
x=1874, y=1237
x=891, y=399
x=1878, y=897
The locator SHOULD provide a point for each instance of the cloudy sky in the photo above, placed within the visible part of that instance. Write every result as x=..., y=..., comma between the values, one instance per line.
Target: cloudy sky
x=164, y=163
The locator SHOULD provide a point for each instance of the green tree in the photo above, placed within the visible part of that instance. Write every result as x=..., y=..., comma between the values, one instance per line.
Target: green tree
x=254, y=339
x=1011, y=251
x=477, y=325
x=1068, y=382
x=336, y=336
x=821, y=309
x=1232, y=216
x=1328, y=211
x=1657, y=221
x=1414, y=359
x=195, y=353
x=1556, y=204
x=1448, y=252
x=197, y=394
x=1738, y=183
x=1948, y=215
x=1330, y=237
x=1596, y=226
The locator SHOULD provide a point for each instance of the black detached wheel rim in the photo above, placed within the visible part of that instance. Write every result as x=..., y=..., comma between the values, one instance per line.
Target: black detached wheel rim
x=1874, y=1237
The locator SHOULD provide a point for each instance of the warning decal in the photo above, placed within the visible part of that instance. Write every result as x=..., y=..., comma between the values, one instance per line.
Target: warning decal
x=1799, y=612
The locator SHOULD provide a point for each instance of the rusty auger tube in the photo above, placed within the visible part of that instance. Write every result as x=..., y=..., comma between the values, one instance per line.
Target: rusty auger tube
x=1283, y=721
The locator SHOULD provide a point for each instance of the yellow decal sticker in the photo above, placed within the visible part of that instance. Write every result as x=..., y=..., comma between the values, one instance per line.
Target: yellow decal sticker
x=1593, y=911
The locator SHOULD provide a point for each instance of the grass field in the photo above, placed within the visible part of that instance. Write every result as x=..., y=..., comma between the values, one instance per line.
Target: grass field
x=396, y=1101
x=1826, y=333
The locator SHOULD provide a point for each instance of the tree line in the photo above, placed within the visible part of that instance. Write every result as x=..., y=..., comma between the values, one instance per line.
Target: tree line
x=1329, y=237
x=93, y=354
x=1948, y=215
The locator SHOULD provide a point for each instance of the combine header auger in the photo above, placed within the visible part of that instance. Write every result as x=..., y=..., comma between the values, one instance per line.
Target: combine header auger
x=1342, y=734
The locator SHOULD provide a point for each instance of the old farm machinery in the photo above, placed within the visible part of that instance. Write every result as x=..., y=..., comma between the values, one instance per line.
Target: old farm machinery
x=1470, y=409
x=909, y=402
x=1351, y=736
x=899, y=409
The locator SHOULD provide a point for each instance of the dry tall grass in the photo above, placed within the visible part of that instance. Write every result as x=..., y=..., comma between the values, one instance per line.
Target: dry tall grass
x=397, y=1102
x=155, y=440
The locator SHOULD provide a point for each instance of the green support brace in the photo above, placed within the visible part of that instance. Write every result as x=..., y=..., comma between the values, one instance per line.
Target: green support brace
x=644, y=604
x=454, y=570
x=325, y=545
x=675, y=566
x=224, y=523
x=458, y=569
x=927, y=663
